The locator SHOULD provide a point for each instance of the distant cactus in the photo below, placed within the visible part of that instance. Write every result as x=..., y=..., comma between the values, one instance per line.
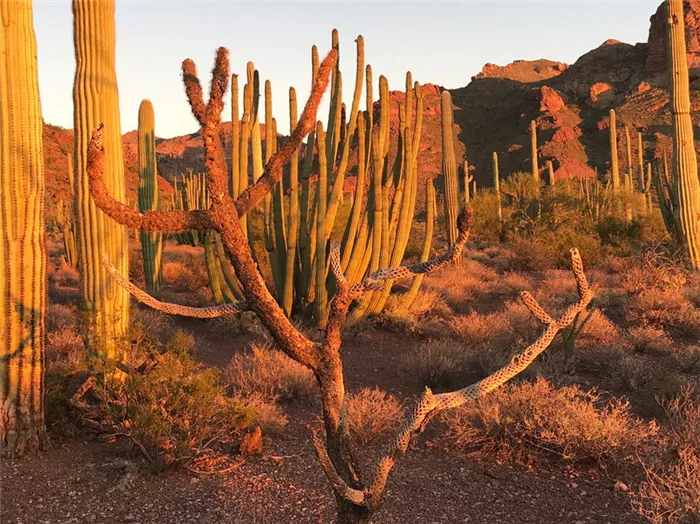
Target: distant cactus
x=151, y=242
x=685, y=165
x=497, y=188
x=468, y=179
x=533, y=153
x=65, y=217
x=449, y=168
x=23, y=247
x=550, y=173
x=96, y=101
x=614, y=167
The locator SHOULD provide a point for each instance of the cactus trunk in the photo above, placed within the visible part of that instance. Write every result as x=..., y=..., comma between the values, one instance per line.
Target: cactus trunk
x=449, y=168
x=151, y=242
x=23, y=250
x=685, y=165
x=96, y=100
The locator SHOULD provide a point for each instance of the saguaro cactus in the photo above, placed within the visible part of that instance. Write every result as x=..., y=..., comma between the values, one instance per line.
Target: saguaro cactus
x=151, y=242
x=23, y=251
x=449, y=168
x=533, y=153
x=497, y=188
x=96, y=100
x=65, y=219
x=684, y=164
x=614, y=168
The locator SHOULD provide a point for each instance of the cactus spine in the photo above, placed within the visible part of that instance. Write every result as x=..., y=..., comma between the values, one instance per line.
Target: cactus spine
x=449, y=168
x=23, y=251
x=96, y=101
x=685, y=166
x=151, y=242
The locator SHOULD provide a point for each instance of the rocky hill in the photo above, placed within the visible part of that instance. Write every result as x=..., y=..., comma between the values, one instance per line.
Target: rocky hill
x=570, y=104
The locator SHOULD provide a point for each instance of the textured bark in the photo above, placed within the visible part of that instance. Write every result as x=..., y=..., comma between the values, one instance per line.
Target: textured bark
x=22, y=242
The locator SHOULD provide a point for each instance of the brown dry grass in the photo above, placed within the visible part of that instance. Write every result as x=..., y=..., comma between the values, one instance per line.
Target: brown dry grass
x=372, y=415
x=533, y=421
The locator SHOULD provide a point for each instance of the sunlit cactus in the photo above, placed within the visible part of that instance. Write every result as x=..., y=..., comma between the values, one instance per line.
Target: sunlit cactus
x=23, y=250
x=151, y=242
x=66, y=221
x=96, y=101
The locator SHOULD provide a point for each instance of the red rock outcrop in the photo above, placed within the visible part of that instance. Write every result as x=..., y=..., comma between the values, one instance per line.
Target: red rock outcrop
x=656, y=62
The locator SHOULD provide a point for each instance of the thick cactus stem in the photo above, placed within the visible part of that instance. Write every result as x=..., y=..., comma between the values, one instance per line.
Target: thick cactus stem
x=685, y=165
x=151, y=242
x=449, y=169
x=96, y=100
x=23, y=249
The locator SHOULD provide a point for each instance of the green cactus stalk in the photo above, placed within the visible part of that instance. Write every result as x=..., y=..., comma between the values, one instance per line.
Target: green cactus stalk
x=533, y=153
x=151, y=242
x=234, y=182
x=321, y=298
x=23, y=250
x=449, y=168
x=291, y=269
x=497, y=189
x=614, y=168
x=66, y=220
x=96, y=100
x=467, y=182
x=427, y=242
x=684, y=165
x=550, y=174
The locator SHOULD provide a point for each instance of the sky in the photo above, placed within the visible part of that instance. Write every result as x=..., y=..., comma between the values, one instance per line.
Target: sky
x=443, y=43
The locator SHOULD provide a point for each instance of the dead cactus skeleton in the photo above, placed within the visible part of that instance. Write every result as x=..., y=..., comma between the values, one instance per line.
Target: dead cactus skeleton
x=356, y=501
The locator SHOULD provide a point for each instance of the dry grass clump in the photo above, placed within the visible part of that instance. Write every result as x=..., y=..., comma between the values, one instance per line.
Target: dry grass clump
x=269, y=373
x=424, y=317
x=599, y=329
x=159, y=325
x=533, y=421
x=687, y=359
x=64, y=348
x=59, y=316
x=373, y=414
x=670, y=309
x=268, y=414
x=671, y=491
x=646, y=338
x=443, y=363
x=184, y=277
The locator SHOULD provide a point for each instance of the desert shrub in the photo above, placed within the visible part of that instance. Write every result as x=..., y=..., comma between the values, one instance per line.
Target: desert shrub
x=271, y=374
x=184, y=277
x=64, y=348
x=443, y=363
x=173, y=410
x=687, y=358
x=485, y=227
x=372, y=414
x=647, y=338
x=671, y=490
x=59, y=316
x=159, y=325
x=534, y=420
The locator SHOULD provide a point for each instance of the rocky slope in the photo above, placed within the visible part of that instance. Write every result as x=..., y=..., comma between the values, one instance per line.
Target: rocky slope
x=570, y=104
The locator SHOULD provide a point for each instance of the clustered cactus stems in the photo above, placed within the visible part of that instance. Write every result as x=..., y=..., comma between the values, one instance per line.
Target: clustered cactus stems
x=358, y=496
x=684, y=164
x=302, y=210
x=449, y=167
x=96, y=99
x=23, y=249
x=151, y=242
x=66, y=220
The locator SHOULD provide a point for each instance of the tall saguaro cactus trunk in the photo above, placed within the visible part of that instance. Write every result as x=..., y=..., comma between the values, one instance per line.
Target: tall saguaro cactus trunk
x=449, y=168
x=96, y=100
x=151, y=242
x=23, y=251
x=684, y=163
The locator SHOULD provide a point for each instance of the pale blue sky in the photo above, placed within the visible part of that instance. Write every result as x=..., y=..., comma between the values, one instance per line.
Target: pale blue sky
x=444, y=43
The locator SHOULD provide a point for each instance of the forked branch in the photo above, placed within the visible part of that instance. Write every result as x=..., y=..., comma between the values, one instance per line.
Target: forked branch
x=165, y=221
x=430, y=404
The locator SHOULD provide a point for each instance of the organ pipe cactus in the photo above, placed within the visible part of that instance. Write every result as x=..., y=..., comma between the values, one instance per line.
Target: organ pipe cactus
x=684, y=164
x=23, y=249
x=497, y=189
x=533, y=154
x=96, y=100
x=151, y=242
x=614, y=167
